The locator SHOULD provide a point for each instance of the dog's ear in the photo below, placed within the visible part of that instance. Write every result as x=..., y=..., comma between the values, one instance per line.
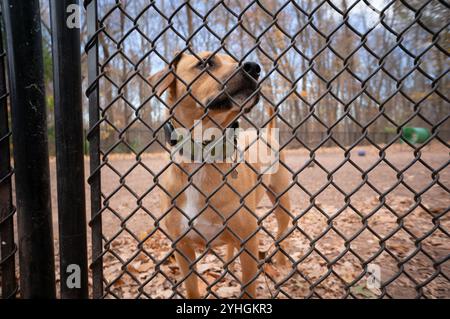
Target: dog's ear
x=165, y=79
x=162, y=80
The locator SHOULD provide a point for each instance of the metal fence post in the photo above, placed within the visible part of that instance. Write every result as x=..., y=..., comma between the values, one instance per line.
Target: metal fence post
x=29, y=121
x=69, y=150
x=7, y=248
x=93, y=137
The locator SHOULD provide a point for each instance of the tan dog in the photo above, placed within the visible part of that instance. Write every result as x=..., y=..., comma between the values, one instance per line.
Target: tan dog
x=208, y=209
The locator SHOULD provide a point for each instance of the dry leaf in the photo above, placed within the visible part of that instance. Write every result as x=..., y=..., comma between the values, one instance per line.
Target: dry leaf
x=142, y=258
x=213, y=275
x=132, y=269
x=228, y=292
x=144, y=267
x=119, y=282
x=201, y=268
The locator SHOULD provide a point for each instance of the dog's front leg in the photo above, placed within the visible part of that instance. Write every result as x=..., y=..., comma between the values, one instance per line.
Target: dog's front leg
x=185, y=256
x=230, y=253
x=249, y=262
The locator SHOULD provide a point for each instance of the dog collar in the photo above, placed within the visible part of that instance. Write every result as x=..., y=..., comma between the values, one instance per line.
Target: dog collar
x=209, y=145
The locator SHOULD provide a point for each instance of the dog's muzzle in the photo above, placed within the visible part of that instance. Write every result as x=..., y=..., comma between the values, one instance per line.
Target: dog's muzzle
x=240, y=90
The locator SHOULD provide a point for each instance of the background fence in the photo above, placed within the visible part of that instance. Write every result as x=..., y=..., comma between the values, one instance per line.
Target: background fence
x=345, y=79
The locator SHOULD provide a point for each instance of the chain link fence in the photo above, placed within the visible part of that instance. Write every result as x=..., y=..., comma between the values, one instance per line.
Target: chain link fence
x=359, y=93
x=348, y=228
x=368, y=213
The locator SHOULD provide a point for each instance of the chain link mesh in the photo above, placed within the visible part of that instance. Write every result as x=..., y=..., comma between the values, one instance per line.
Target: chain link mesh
x=345, y=81
x=8, y=247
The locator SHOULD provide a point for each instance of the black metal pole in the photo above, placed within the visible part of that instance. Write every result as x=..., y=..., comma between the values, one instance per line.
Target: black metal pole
x=94, y=148
x=69, y=151
x=29, y=124
x=7, y=246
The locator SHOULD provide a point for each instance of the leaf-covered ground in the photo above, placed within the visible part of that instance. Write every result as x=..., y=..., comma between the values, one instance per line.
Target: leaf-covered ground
x=321, y=263
x=308, y=274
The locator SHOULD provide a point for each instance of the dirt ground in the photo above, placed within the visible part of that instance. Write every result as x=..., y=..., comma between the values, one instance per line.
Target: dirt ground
x=388, y=232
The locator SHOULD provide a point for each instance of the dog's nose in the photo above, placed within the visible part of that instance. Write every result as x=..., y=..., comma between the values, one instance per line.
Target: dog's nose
x=252, y=68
